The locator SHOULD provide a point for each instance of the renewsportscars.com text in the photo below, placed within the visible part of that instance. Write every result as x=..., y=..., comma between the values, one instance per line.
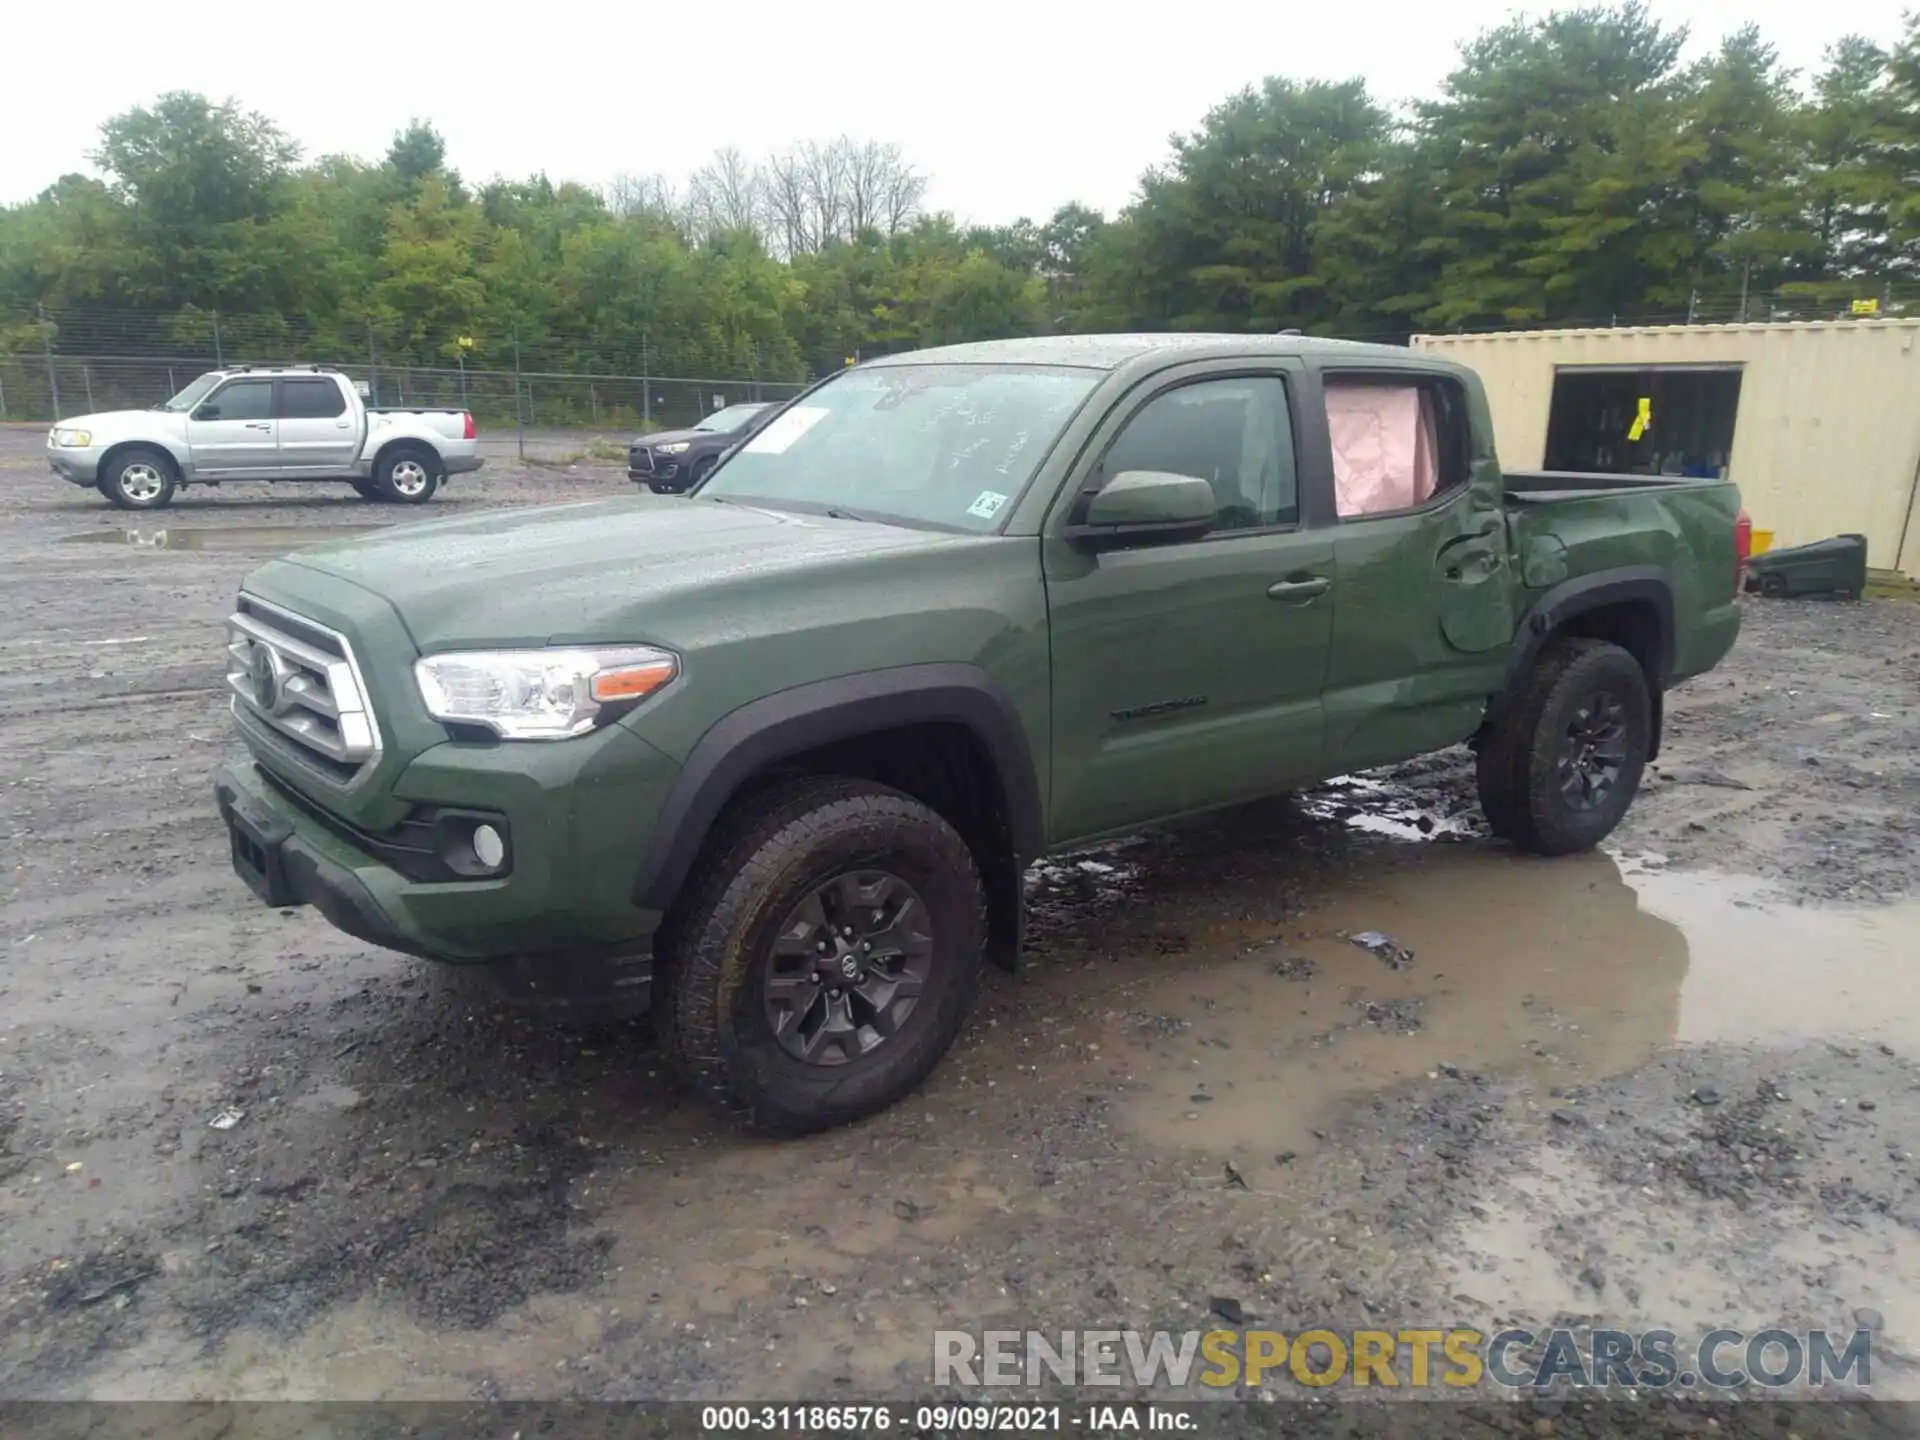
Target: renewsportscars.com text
x=1454, y=1358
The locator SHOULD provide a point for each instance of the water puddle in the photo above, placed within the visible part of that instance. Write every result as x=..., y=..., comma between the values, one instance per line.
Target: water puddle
x=265, y=538
x=1559, y=970
x=1377, y=806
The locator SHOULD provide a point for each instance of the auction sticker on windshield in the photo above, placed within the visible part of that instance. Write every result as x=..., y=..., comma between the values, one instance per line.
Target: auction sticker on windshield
x=786, y=428
x=988, y=505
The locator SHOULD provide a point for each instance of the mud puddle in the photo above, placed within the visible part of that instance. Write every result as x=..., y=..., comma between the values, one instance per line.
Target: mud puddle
x=262, y=538
x=1552, y=972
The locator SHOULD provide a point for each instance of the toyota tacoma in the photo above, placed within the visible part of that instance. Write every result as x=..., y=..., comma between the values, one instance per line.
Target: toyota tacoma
x=772, y=759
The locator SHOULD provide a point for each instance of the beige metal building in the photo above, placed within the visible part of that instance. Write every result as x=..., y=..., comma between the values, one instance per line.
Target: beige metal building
x=1817, y=422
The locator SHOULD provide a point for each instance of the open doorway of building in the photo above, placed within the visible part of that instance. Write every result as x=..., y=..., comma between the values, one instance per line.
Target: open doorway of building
x=1644, y=420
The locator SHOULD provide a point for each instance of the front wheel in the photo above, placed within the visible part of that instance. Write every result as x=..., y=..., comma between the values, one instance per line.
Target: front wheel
x=826, y=957
x=138, y=480
x=369, y=490
x=1564, y=762
x=408, y=474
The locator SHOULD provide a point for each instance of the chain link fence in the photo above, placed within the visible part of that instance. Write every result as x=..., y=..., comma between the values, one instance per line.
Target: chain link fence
x=53, y=366
x=618, y=381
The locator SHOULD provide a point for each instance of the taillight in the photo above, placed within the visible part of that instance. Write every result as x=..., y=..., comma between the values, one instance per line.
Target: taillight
x=1742, y=547
x=467, y=433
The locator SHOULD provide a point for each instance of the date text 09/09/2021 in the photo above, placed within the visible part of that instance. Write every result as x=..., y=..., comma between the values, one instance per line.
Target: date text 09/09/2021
x=791, y=1419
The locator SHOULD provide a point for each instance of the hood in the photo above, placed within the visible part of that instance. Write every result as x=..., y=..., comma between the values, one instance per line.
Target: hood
x=121, y=420
x=620, y=571
x=671, y=437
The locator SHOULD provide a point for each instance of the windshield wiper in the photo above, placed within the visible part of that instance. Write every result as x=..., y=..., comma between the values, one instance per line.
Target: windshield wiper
x=840, y=512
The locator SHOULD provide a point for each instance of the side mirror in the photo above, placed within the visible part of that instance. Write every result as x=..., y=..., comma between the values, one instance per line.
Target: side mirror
x=207, y=412
x=1146, y=507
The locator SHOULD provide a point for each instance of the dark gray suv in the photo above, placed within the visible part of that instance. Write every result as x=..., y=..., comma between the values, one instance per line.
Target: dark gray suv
x=672, y=461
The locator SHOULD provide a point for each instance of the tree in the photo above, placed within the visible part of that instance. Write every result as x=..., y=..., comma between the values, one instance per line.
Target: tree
x=1840, y=181
x=727, y=193
x=982, y=299
x=1898, y=165
x=1550, y=150
x=203, y=184
x=1229, y=231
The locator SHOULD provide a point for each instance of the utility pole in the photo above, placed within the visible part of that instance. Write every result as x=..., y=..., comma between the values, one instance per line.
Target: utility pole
x=519, y=415
x=46, y=349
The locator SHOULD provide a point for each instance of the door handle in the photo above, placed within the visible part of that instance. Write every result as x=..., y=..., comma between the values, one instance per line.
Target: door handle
x=259, y=424
x=1304, y=588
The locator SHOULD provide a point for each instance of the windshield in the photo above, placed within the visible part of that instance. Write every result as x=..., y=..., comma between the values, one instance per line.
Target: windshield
x=191, y=396
x=731, y=418
x=942, y=445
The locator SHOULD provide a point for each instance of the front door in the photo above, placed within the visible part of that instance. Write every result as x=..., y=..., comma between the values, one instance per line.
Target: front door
x=317, y=435
x=1188, y=675
x=232, y=433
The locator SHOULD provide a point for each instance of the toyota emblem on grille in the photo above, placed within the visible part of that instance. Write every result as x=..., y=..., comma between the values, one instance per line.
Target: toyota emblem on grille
x=265, y=677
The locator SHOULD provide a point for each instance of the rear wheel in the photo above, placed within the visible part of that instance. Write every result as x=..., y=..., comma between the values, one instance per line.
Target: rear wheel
x=138, y=479
x=1564, y=762
x=826, y=957
x=408, y=474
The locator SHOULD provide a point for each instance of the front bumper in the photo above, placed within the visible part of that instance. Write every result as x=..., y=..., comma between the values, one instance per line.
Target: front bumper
x=77, y=467
x=646, y=466
x=553, y=904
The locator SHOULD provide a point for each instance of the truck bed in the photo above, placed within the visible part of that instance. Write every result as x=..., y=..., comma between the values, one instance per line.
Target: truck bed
x=1564, y=525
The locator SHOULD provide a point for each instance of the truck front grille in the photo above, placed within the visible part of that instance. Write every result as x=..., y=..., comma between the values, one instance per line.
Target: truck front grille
x=297, y=688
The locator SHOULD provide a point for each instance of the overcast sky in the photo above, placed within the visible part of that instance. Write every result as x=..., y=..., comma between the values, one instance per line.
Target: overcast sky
x=1010, y=107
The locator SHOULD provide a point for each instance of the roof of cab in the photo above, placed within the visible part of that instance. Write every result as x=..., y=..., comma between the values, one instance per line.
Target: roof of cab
x=1110, y=352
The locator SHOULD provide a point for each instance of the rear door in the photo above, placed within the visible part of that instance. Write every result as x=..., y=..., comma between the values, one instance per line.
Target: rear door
x=318, y=434
x=1187, y=675
x=232, y=433
x=1424, y=622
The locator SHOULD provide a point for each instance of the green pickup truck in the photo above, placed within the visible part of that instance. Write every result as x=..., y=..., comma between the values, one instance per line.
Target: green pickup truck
x=772, y=758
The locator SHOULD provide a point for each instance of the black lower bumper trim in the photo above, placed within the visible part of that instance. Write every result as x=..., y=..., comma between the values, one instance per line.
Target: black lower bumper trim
x=284, y=870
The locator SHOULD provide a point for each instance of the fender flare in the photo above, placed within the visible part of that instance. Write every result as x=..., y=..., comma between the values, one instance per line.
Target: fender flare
x=1636, y=584
x=779, y=726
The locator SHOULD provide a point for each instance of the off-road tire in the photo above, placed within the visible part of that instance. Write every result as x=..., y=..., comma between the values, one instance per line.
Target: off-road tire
x=1518, y=767
x=394, y=477
x=764, y=858
x=116, y=478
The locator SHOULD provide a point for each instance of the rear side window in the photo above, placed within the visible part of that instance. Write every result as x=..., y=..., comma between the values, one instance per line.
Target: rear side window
x=311, y=400
x=244, y=400
x=1398, y=442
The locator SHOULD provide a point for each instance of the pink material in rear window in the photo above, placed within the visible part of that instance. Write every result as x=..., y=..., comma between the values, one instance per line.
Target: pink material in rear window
x=1384, y=455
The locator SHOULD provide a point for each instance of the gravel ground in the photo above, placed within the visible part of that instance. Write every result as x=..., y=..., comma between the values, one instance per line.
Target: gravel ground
x=1672, y=1084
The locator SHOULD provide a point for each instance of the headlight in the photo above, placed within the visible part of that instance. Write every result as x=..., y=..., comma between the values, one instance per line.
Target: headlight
x=678, y=447
x=72, y=439
x=540, y=694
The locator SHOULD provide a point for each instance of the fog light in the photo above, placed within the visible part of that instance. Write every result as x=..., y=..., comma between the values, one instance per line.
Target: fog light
x=488, y=847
